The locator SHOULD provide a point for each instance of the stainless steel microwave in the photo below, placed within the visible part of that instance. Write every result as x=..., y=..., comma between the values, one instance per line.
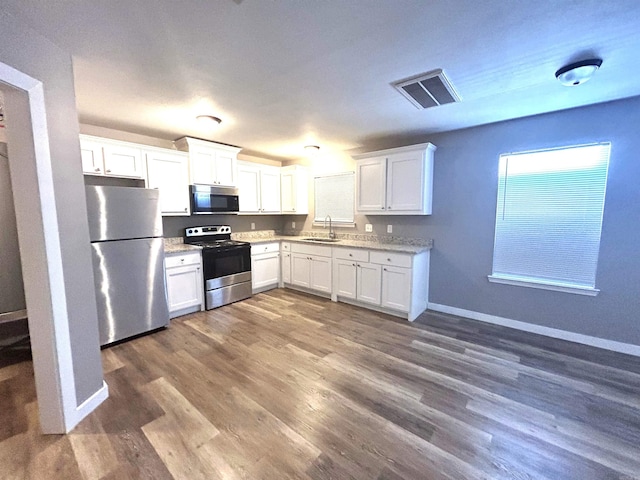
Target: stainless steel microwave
x=209, y=199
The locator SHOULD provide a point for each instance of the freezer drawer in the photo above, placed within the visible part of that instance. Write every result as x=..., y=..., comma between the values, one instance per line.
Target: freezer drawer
x=130, y=288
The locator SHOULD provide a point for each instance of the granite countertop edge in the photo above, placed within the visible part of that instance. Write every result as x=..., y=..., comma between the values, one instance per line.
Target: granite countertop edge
x=175, y=245
x=171, y=248
x=388, y=247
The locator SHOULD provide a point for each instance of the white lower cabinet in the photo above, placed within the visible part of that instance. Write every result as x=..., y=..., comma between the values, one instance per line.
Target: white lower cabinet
x=300, y=270
x=183, y=274
x=311, y=267
x=388, y=281
x=265, y=266
x=285, y=263
x=354, y=277
x=394, y=282
x=368, y=283
x=345, y=278
x=396, y=288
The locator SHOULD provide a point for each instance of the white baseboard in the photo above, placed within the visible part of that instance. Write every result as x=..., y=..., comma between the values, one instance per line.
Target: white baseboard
x=89, y=405
x=628, y=348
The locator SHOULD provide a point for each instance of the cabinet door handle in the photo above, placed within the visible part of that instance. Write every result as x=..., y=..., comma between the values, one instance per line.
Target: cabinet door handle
x=108, y=170
x=388, y=259
x=185, y=209
x=97, y=169
x=351, y=254
x=385, y=269
x=293, y=209
x=353, y=264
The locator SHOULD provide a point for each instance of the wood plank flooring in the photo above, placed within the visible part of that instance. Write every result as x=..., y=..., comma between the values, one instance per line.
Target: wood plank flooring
x=287, y=385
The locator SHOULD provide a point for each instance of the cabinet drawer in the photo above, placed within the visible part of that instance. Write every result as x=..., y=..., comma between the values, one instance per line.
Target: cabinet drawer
x=391, y=258
x=265, y=248
x=182, y=259
x=320, y=250
x=285, y=246
x=356, y=254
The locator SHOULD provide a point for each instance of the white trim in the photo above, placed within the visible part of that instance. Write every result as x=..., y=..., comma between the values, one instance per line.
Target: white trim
x=628, y=348
x=557, y=287
x=44, y=277
x=58, y=299
x=91, y=403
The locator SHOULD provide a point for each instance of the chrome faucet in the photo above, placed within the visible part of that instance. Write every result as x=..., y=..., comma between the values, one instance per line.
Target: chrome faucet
x=332, y=234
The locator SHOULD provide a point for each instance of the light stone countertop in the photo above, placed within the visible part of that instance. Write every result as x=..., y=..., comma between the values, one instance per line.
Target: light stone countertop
x=175, y=245
x=345, y=242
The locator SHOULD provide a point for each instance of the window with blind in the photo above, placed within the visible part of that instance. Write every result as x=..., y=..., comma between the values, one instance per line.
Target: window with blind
x=335, y=196
x=549, y=218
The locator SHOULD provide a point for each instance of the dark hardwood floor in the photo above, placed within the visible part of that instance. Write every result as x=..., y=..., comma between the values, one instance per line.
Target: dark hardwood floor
x=287, y=385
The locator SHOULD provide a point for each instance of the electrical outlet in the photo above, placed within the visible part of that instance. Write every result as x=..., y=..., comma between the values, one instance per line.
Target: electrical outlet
x=253, y=226
x=368, y=227
x=293, y=224
x=389, y=228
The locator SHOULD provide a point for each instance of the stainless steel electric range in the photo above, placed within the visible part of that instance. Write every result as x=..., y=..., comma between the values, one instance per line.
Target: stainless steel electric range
x=226, y=264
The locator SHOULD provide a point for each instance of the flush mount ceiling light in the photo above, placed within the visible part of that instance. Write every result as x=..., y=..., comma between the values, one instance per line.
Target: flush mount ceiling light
x=208, y=120
x=311, y=149
x=578, y=72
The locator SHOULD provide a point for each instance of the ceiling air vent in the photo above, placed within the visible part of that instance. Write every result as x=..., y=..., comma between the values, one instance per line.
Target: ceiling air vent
x=427, y=89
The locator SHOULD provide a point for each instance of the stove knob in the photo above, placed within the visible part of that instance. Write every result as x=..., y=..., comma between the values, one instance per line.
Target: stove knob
x=189, y=231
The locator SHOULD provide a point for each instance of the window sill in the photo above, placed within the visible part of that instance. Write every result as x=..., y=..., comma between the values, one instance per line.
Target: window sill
x=317, y=223
x=557, y=287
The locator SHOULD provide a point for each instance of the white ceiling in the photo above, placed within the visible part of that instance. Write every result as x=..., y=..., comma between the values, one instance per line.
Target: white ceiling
x=285, y=73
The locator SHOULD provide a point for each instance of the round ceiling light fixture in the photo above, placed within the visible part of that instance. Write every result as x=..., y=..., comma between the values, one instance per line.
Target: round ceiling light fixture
x=579, y=72
x=209, y=120
x=311, y=149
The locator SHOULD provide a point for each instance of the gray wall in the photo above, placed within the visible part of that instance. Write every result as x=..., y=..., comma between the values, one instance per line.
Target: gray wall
x=35, y=56
x=174, y=226
x=11, y=287
x=462, y=224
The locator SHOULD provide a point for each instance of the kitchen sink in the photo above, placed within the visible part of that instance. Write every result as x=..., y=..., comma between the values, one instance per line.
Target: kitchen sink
x=322, y=240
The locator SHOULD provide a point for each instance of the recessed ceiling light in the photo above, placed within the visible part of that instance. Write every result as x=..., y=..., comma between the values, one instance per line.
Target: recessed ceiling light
x=578, y=72
x=209, y=120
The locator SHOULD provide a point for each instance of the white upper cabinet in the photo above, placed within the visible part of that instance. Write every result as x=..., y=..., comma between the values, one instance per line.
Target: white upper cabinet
x=249, y=188
x=398, y=181
x=92, y=158
x=169, y=172
x=294, y=190
x=259, y=188
x=211, y=163
x=270, y=189
x=371, y=177
x=123, y=161
x=111, y=158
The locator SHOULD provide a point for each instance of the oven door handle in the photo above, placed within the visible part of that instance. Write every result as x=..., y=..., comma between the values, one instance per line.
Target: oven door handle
x=227, y=249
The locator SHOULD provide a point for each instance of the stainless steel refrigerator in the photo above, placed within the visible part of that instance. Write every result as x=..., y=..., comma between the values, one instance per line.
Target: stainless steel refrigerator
x=125, y=228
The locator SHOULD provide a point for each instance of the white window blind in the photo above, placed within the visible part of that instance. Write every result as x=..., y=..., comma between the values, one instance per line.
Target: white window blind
x=549, y=217
x=335, y=196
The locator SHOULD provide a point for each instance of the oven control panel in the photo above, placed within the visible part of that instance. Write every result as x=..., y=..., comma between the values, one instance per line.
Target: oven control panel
x=207, y=230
